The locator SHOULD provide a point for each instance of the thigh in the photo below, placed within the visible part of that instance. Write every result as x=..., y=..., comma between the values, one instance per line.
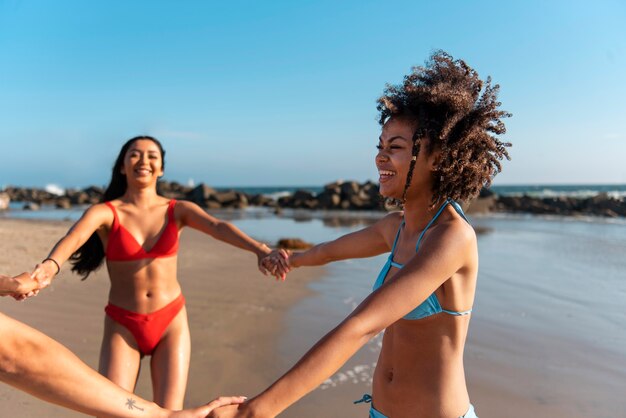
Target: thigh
x=119, y=355
x=170, y=363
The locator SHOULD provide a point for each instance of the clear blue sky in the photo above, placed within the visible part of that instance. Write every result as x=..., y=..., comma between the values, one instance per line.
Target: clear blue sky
x=283, y=92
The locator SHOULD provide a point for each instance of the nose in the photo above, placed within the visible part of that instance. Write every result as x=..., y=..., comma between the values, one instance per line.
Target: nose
x=381, y=156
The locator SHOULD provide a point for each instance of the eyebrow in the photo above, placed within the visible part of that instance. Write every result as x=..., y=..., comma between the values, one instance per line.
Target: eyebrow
x=393, y=138
x=150, y=151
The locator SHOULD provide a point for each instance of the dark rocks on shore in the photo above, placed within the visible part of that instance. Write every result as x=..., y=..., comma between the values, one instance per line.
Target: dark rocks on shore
x=339, y=195
x=599, y=205
x=349, y=195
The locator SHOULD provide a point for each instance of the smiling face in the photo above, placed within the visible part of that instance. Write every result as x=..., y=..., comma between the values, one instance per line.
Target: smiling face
x=395, y=151
x=143, y=162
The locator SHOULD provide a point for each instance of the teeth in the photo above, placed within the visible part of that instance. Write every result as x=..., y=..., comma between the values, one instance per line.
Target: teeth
x=386, y=173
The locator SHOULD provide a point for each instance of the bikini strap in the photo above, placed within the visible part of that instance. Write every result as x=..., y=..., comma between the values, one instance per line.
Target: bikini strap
x=115, y=218
x=458, y=210
x=170, y=210
x=431, y=222
x=395, y=241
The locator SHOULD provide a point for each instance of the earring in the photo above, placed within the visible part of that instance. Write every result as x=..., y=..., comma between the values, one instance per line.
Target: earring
x=414, y=158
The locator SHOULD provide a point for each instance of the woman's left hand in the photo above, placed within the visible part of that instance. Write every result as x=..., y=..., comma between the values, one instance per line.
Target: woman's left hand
x=276, y=263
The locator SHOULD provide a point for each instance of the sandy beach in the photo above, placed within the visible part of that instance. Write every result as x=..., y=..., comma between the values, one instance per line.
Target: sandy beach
x=235, y=314
x=524, y=356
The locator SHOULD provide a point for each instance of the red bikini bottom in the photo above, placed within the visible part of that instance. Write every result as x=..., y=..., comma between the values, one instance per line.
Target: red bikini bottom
x=146, y=328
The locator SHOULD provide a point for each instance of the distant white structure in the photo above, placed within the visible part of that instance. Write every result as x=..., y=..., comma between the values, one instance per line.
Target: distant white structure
x=54, y=189
x=191, y=183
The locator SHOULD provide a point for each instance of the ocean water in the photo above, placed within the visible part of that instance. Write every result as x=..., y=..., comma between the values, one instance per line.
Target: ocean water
x=617, y=191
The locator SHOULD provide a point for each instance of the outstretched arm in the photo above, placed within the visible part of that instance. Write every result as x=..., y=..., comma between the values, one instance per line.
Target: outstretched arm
x=195, y=217
x=367, y=242
x=94, y=218
x=35, y=363
x=442, y=255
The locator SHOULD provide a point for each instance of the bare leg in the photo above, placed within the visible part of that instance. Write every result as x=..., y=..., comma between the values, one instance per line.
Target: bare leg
x=170, y=364
x=119, y=355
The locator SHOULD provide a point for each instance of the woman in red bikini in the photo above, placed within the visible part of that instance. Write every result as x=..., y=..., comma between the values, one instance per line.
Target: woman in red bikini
x=137, y=231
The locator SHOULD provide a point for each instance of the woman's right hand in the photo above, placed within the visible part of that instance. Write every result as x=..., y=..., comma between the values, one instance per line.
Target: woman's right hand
x=44, y=272
x=205, y=410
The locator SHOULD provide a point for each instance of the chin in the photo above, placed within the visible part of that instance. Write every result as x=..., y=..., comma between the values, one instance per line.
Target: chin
x=389, y=193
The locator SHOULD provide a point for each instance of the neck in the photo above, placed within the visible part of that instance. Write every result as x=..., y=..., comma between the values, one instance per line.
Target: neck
x=142, y=196
x=418, y=211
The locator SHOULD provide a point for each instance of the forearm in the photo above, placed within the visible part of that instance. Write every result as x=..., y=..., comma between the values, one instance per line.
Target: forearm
x=315, y=256
x=64, y=249
x=33, y=362
x=317, y=365
x=229, y=233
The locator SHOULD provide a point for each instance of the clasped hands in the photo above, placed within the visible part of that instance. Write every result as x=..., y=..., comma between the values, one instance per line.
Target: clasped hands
x=19, y=287
x=26, y=284
x=276, y=263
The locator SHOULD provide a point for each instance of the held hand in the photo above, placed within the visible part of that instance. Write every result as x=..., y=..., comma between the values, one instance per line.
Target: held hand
x=44, y=272
x=277, y=263
x=20, y=287
x=205, y=410
x=26, y=284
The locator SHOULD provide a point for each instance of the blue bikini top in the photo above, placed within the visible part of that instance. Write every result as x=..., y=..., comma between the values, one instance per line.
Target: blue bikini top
x=431, y=305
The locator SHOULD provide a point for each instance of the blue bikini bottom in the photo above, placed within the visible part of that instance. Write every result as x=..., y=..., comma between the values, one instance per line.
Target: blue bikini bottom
x=469, y=414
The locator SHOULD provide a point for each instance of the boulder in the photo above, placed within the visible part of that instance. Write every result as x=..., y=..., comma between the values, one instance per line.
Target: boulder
x=63, y=203
x=200, y=193
x=30, y=206
x=329, y=199
x=293, y=244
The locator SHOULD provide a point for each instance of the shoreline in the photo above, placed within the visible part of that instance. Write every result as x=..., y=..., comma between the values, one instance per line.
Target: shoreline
x=338, y=196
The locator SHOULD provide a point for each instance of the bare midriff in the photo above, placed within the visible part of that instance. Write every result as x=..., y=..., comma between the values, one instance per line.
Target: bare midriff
x=145, y=285
x=420, y=368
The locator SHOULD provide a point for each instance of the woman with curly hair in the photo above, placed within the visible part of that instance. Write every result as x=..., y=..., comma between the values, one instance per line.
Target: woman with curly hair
x=136, y=230
x=439, y=144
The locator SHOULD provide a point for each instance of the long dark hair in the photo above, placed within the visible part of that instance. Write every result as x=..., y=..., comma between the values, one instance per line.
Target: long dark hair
x=90, y=255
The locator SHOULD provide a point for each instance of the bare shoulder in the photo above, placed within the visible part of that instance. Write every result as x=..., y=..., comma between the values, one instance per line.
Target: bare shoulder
x=388, y=226
x=99, y=209
x=96, y=216
x=453, y=229
x=185, y=207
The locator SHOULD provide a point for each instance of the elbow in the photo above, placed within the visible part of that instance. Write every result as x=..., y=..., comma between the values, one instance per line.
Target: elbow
x=361, y=329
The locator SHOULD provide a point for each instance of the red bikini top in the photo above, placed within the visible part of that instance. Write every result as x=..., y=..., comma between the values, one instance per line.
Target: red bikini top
x=122, y=246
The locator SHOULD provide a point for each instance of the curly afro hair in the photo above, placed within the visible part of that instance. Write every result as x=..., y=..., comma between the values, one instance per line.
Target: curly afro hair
x=458, y=114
